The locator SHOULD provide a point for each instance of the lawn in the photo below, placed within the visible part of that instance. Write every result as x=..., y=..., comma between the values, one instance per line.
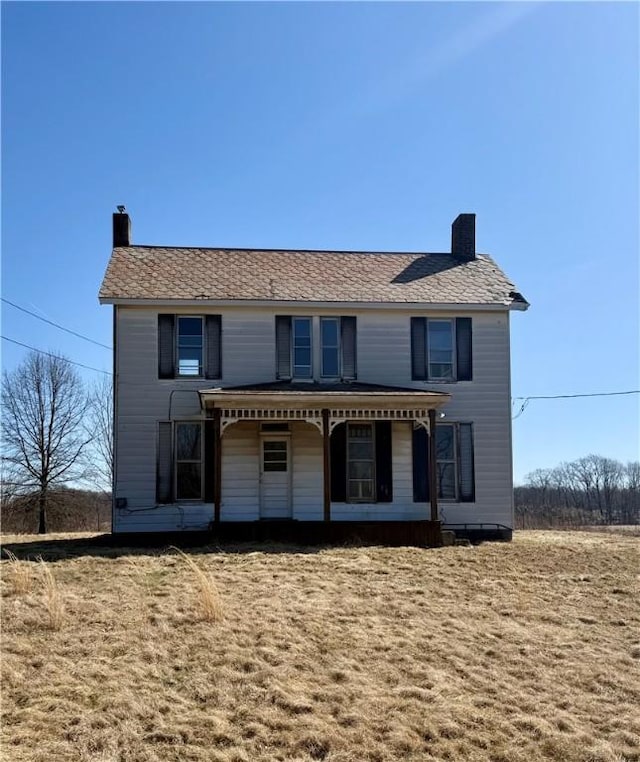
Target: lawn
x=504, y=652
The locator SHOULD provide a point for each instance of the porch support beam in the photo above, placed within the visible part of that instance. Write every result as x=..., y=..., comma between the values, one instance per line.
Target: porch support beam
x=326, y=460
x=217, y=473
x=433, y=469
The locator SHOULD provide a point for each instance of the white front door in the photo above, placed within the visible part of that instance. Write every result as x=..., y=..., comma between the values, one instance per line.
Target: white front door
x=275, y=478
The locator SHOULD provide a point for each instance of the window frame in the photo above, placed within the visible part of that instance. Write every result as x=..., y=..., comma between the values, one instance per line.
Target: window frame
x=338, y=347
x=455, y=460
x=176, y=461
x=373, y=498
x=454, y=352
x=294, y=376
x=203, y=365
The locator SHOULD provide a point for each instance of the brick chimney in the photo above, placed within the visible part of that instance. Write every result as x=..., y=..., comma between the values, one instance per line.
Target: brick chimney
x=463, y=237
x=121, y=228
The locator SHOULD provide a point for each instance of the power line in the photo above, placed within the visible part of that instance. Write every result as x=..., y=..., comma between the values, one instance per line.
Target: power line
x=42, y=352
x=571, y=396
x=526, y=400
x=56, y=325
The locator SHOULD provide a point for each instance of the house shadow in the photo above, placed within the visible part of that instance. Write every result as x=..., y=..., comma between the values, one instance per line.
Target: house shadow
x=429, y=264
x=302, y=537
x=111, y=546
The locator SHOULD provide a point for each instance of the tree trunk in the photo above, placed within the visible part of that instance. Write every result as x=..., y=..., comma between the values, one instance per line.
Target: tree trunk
x=42, y=514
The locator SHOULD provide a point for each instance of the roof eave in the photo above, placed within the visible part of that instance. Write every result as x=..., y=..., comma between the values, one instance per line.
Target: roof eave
x=471, y=306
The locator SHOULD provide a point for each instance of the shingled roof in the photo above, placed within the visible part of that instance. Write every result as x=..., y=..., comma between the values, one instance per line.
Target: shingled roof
x=157, y=273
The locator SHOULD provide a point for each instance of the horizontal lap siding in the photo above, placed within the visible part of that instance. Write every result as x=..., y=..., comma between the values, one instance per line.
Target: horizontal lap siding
x=248, y=356
x=402, y=508
x=240, y=473
x=307, y=477
x=384, y=356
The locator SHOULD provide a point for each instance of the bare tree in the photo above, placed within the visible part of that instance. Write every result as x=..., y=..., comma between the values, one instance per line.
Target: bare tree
x=43, y=408
x=99, y=426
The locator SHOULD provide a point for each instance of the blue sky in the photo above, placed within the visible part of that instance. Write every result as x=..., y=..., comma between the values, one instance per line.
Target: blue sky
x=352, y=126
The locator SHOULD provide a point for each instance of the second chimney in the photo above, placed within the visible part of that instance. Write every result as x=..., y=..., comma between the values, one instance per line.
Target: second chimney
x=121, y=228
x=463, y=237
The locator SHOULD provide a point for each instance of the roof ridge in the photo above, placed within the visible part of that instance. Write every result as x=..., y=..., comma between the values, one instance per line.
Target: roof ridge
x=293, y=251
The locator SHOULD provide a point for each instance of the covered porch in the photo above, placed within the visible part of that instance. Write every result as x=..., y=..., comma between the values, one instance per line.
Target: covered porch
x=319, y=486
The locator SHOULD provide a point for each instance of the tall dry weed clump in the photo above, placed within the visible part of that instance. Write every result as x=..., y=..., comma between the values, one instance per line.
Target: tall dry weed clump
x=18, y=575
x=208, y=596
x=53, y=602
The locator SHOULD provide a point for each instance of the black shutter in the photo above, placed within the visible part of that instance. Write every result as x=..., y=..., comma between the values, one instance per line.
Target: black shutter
x=164, y=465
x=209, y=461
x=166, y=346
x=384, y=475
x=466, y=475
x=464, y=349
x=339, y=463
x=283, y=346
x=420, y=465
x=213, y=346
x=418, y=349
x=348, y=341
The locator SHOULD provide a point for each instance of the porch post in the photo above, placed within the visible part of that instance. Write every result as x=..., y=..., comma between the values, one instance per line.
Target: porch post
x=326, y=452
x=217, y=467
x=433, y=469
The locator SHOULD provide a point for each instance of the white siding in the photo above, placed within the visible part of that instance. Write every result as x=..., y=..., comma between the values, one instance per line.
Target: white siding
x=248, y=347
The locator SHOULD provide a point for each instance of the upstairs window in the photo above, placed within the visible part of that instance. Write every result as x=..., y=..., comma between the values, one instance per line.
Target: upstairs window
x=441, y=349
x=302, y=350
x=440, y=343
x=335, y=357
x=330, y=338
x=190, y=346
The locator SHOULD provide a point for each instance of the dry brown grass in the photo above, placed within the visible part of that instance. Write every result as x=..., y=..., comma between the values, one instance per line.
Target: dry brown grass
x=18, y=575
x=208, y=600
x=499, y=653
x=52, y=598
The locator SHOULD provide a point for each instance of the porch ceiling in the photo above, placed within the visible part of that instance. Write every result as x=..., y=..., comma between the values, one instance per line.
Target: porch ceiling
x=313, y=395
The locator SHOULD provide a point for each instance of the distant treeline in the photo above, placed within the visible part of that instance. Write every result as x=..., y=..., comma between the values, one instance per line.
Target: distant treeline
x=69, y=510
x=589, y=491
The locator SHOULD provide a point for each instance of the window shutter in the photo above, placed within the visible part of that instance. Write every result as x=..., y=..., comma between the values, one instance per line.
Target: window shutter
x=339, y=463
x=166, y=346
x=418, y=349
x=213, y=346
x=283, y=346
x=384, y=475
x=209, y=461
x=464, y=350
x=164, y=468
x=420, y=465
x=467, y=488
x=348, y=330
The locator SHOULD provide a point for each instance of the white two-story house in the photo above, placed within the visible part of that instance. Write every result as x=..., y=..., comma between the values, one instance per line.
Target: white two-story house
x=324, y=392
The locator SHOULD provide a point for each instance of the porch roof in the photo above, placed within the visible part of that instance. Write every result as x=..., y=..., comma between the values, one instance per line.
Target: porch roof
x=313, y=395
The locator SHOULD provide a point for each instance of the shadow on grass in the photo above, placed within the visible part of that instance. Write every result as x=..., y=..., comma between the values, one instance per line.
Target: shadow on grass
x=109, y=546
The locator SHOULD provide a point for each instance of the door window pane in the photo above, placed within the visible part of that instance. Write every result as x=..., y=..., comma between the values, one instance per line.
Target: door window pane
x=274, y=456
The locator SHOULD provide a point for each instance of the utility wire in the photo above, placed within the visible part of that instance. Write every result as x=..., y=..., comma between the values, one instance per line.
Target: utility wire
x=526, y=400
x=56, y=325
x=571, y=396
x=42, y=352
